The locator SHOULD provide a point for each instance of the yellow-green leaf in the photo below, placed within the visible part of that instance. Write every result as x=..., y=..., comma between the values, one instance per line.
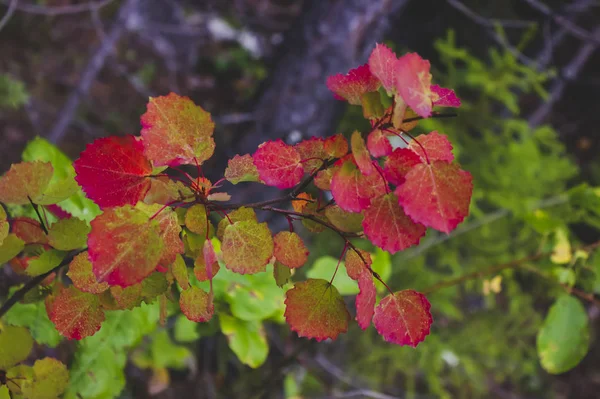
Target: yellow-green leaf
x=15, y=345
x=68, y=234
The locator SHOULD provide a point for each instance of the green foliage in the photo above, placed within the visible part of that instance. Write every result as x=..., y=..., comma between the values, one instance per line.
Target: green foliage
x=564, y=338
x=12, y=92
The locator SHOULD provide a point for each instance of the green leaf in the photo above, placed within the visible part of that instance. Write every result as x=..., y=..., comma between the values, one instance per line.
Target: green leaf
x=68, y=234
x=324, y=268
x=185, y=330
x=167, y=354
x=246, y=339
x=4, y=394
x=34, y=317
x=257, y=300
x=47, y=261
x=97, y=370
x=15, y=345
x=50, y=380
x=382, y=265
x=564, y=338
x=11, y=247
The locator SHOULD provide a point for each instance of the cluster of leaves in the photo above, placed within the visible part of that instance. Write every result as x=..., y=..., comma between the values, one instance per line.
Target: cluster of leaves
x=153, y=235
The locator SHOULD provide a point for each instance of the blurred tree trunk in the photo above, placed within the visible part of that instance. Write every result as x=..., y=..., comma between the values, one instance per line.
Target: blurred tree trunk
x=331, y=37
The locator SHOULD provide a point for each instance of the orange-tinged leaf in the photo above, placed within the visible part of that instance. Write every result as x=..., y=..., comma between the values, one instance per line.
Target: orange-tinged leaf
x=353, y=85
x=443, y=97
x=323, y=178
x=361, y=154
x=355, y=265
x=336, y=146
x=180, y=272
x=176, y=131
x=388, y=227
x=80, y=272
x=241, y=168
x=124, y=246
x=382, y=63
x=278, y=164
x=437, y=147
x=315, y=309
x=29, y=230
x=75, y=314
x=378, y=144
x=25, y=180
x=3, y=225
x=247, y=247
x=348, y=222
x=301, y=201
x=237, y=215
x=113, y=171
x=196, y=304
x=169, y=230
x=50, y=380
x=413, y=83
x=365, y=300
x=290, y=249
x=403, y=318
x=354, y=191
x=312, y=153
x=437, y=195
x=164, y=190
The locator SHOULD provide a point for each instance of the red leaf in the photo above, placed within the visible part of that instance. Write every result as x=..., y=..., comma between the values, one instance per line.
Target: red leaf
x=75, y=314
x=443, y=97
x=403, y=318
x=353, y=85
x=365, y=300
x=378, y=144
x=336, y=146
x=206, y=265
x=413, y=82
x=315, y=309
x=113, y=171
x=437, y=146
x=80, y=272
x=437, y=195
x=312, y=153
x=289, y=249
x=355, y=265
x=361, y=154
x=25, y=180
x=388, y=227
x=124, y=246
x=241, y=168
x=176, y=131
x=278, y=164
x=196, y=304
x=58, y=211
x=352, y=190
x=382, y=63
x=398, y=164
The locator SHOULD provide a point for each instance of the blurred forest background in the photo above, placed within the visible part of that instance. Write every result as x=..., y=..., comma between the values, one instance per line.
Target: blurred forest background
x=527, y=73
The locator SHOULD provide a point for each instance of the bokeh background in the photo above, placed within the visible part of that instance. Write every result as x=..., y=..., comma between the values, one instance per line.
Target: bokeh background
x=528, y=74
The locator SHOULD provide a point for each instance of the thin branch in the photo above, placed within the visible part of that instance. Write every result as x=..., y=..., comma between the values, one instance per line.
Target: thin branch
x=569, y=73
x=490, y=24
x=34, y=282
x=61, y=10
x=95, y=64
x=9, y=13
x=510, y=265
x=566, y=23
